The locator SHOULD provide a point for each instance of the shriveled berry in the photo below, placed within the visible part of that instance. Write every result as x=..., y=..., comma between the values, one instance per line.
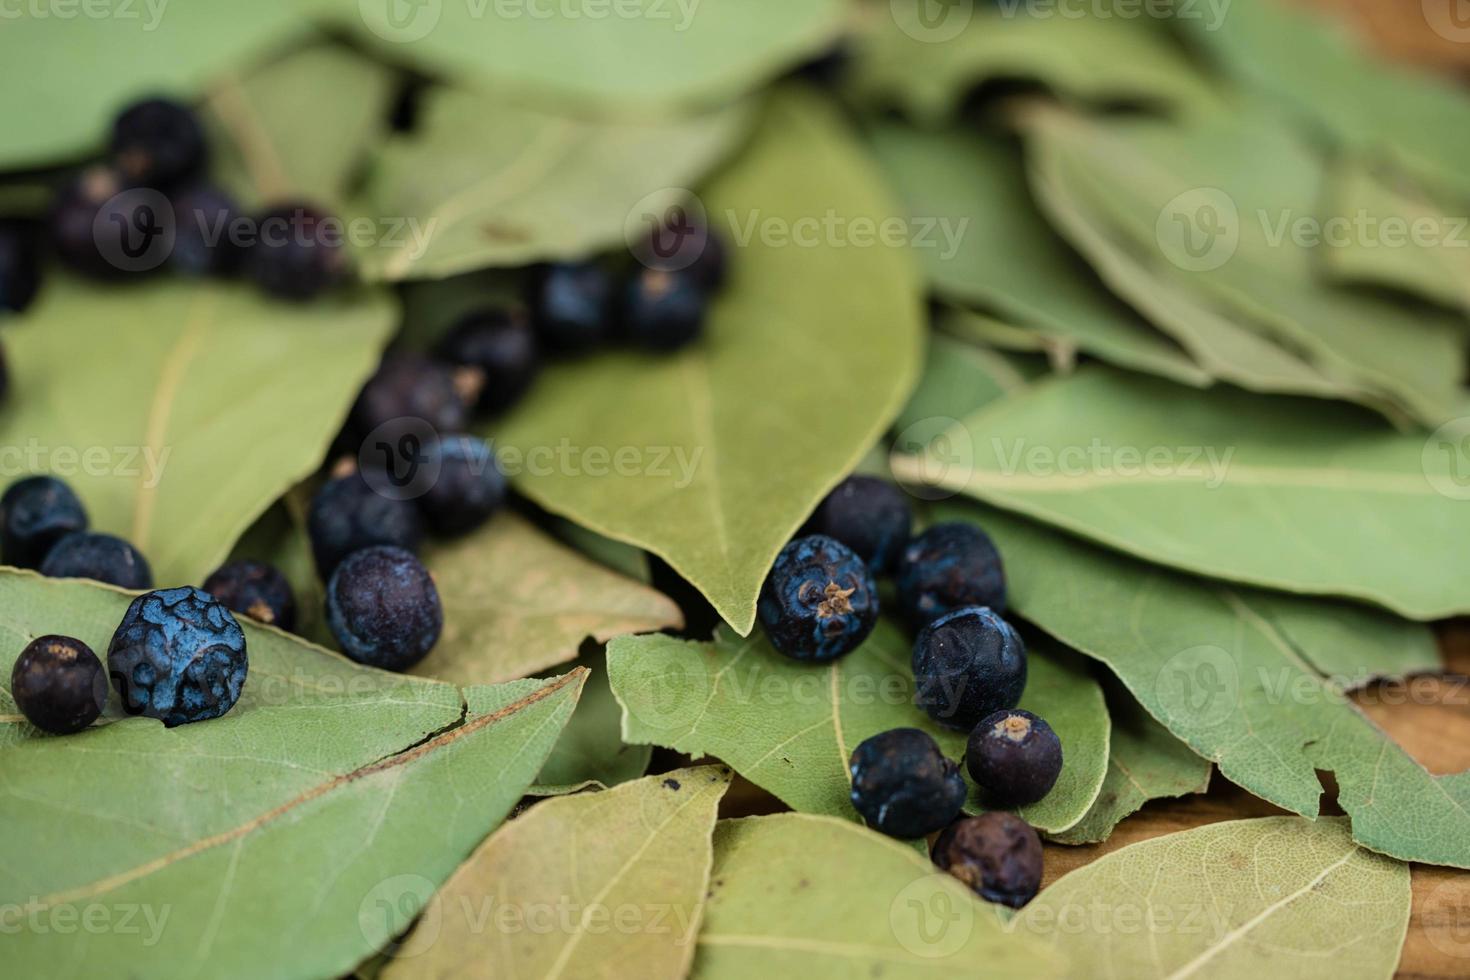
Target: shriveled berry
x=35, y=513
x=469, y=487
x=158, y=142
x=500, y=345
x=1014, y=757
x=58, y=684
x=682, y=244
x=20, y=265
x=100, y=557
x=967, y=664
x=997, y=854
x=409, y=385
x=383, y=608
x=869, y=515
x=205, y=242
x=347, y=515
x=949, y=566
x=570, y=305
x=178, y=656
x=819, y=600
x=255, y=589
x=903, y=785
x=664, y=310
x=297, y=253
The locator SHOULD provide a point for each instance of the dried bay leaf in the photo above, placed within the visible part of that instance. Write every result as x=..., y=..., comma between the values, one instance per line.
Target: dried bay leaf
x=591, y=751
x=620, y=874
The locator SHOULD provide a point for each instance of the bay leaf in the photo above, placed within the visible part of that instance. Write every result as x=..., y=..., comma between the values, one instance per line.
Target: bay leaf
x=619, y=877
x=994, y=250
x=825, y=333
x=1235, y=189
x=958, y=378
x=591, y=751
x=1238, y=675
x=1277, y=896
x=628, y=59
x=1225, y=484
x=808, y=896
x=790, y=727
x=271, y=142
x=617, y=555
x=926, y=60
x=365, y=787
x=81, y=70
x=516, y=601
x=197, y=405
x=1145, y=762
x=484, y=181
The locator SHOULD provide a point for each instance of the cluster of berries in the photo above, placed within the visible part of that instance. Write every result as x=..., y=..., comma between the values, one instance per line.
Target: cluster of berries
x=821, y=601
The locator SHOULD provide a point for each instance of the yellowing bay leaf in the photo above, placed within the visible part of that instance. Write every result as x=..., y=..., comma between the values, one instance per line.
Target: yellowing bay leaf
x=1278, y=897
x=516, y=601
x=608, y=884
x=180, y=410
x=795, y=895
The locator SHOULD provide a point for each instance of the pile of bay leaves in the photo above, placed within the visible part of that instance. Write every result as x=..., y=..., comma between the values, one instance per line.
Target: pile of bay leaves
x=1170, y=299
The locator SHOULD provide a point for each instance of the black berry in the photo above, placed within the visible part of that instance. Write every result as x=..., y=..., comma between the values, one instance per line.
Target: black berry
x=100, y=557
x=254, y=589
x=297, y=253
x=570, y=303
x=819, y=600
x=664, y=310
x=178, y=656
x=1014, y=757
x=58, y=684
x=383, y=608
x=35, y=513
x=869, y=515
x=681, y=244
x=158, y=142
x=949, y=566
x=93, y=208
x=205, y=242
x=347, y=515
x=20, y=266
x=468, y=489
x=997, y=854
x=903, y=785
x=968, y=664
x=500, y=345
x=409, y=385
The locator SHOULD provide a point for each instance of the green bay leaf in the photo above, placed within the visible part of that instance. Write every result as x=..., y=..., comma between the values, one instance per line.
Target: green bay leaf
x=620, y=875
x=371, y=786
x=791, y=727
x=800, y=895
x=197, y=405
x=1279, y=896
x=591, y=751
x=484, y=181
x=822, y=332
x=1225, y=484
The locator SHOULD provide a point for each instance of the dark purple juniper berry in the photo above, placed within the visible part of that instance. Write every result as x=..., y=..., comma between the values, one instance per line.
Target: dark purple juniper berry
x=570, y=304
x=469, y=487
x=383, y=608
x=1014, y=757
x=663, y=310
x=298, y=252
x=35, y=513
x=255, y=589
x=347, y=515
x=58, y=684
x=869, y=515
x=949, y=566
x=204, y=236
x=20, y=265
x=178, y=656
x=968, y=664
x=903, y=785
x=997, y=854
x=406, y=386
x=499, y=345
x=819, y=601
x=100, y=557
x=157, y=142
